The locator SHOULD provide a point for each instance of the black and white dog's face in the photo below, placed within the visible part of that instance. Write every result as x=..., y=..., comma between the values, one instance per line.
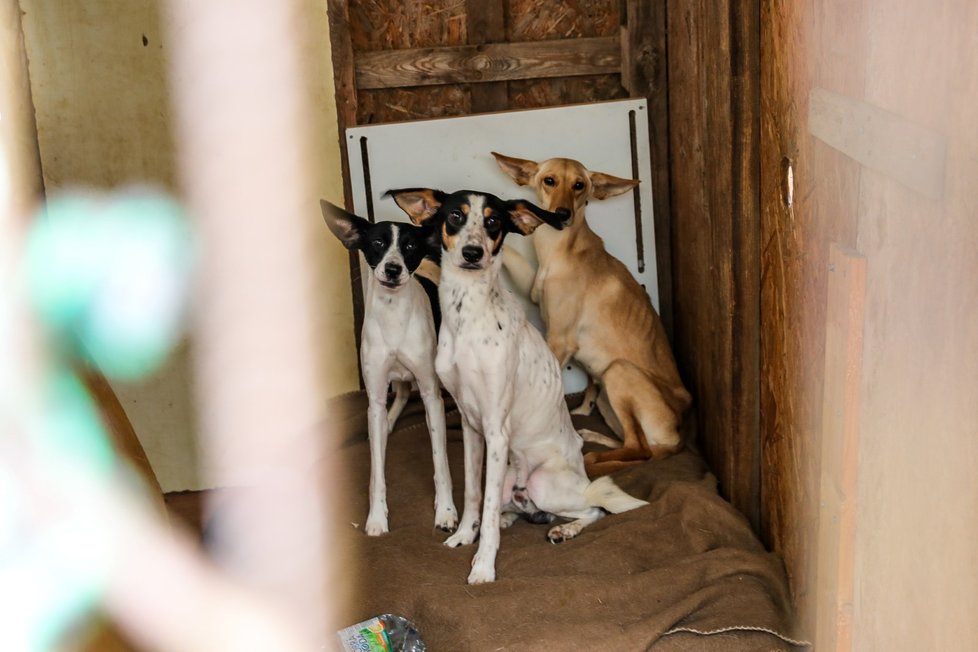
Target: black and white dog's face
x=393, y=250
x=471, y=225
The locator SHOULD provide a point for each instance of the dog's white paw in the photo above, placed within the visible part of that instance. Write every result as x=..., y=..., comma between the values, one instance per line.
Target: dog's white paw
x=463, y=536
x=376, y=525
x=507, y=518
x=446, y=518
x=482, y=572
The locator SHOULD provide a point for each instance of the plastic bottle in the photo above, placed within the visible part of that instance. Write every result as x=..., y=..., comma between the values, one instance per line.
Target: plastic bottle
x=384, y=633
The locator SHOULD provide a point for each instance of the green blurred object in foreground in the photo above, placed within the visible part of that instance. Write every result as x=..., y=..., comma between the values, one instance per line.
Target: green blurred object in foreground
x=109, y=276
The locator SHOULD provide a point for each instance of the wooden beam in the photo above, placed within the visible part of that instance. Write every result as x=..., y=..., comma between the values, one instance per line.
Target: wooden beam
x=835, y=580
x=882, y=141
x=488, y=63
x=485, y=23
x=346, y=116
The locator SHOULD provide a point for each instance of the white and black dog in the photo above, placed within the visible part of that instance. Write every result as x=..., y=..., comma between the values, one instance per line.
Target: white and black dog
x=505, y=380
x=397, y=345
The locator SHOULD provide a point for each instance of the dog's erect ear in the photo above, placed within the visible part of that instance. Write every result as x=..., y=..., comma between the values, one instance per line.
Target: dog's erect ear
x=520, y=169
x=419, y=203
x=349, y=228
x=526, y=217
x=604, y=185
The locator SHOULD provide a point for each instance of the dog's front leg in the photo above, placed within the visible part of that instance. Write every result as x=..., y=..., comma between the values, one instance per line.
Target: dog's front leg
x=497, y=452
x=473, y=447
x=446, y=518
x=377, y=431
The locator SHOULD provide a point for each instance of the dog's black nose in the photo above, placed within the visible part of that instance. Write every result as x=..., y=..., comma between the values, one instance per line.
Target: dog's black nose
x=393, y=270
x=563, y=213
x=471, y=253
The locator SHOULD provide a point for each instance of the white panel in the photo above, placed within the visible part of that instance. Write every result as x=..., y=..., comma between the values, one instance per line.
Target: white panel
x=454, y=154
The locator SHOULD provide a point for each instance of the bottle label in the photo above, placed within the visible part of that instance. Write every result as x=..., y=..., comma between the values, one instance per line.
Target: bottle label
x=368, y=636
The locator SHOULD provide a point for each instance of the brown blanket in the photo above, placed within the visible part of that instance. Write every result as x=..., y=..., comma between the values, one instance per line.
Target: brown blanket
x=683, y=573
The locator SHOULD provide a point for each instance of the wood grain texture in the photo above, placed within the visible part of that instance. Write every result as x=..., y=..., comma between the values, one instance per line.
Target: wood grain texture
x=802, y=45
x=713, y=120
x=839, y=455
x=538, y=20
x=485, y=23
x=491, y=62
x=404, y=24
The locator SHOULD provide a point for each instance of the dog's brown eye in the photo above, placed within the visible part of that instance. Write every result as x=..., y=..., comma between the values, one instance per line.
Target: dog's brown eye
x=377, y=244
x=579, y=185
x=492, y=223
x=549, y=181
x=409, y=246
x=455, y=219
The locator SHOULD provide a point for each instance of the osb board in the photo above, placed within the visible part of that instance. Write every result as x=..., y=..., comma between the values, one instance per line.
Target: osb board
x=533, y=20
x=400, y=104
x=536, y=93
x=804, y=47
x=387, y=25
x=715, y=228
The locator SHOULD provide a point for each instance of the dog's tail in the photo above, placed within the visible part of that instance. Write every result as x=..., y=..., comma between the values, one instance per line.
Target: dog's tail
x=604, y=493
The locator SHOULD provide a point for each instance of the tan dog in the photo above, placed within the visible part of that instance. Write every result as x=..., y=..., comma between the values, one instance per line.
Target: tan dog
x=597, y=313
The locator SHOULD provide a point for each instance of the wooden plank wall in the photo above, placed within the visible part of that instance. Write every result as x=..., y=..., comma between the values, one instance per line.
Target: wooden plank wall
x=401, y=63
x=795, y=240
x=713, y=112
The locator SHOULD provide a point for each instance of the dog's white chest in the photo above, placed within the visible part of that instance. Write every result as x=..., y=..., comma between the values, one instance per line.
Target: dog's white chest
x=398, y=332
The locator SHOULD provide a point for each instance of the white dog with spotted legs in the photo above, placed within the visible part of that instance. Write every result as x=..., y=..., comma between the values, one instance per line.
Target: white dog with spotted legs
x=505, y=380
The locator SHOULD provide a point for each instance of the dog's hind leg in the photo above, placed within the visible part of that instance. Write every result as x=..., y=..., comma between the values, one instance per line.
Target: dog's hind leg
x=590, y=395
x=649, y=425
x=446, y=518
x=402, y=390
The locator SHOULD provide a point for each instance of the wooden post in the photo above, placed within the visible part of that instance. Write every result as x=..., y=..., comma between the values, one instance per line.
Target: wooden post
x=485, y=23
x=346, y=116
